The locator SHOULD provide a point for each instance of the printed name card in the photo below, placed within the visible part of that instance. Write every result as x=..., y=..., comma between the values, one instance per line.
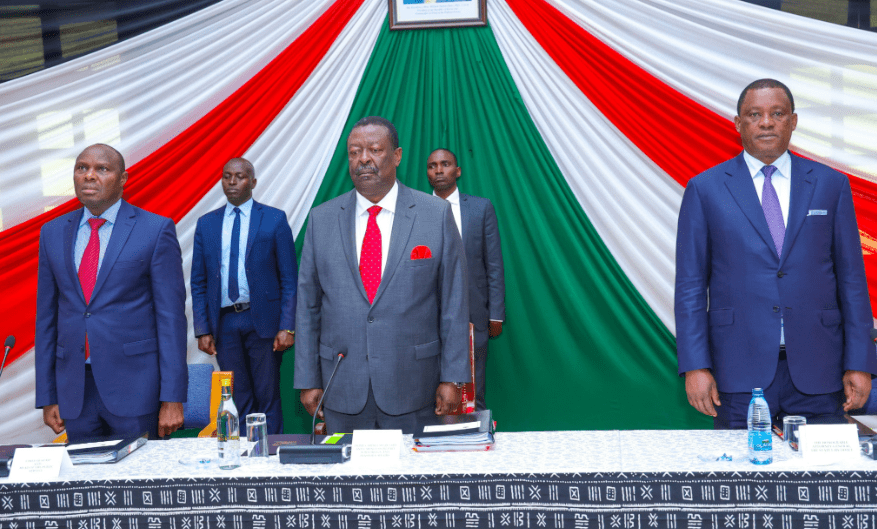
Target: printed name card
x=376, y=447
x=39, y=464
x=822, y=444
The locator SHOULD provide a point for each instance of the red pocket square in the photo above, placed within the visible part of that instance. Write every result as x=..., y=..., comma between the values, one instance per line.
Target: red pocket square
x=421, y=252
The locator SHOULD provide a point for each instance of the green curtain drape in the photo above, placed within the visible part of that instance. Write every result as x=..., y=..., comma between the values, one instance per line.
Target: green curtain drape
x=581, y=349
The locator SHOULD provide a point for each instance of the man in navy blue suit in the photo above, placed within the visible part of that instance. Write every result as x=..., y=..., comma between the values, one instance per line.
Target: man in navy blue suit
x=244, y=277
x=770, y=280
x=476, y=221
x=110, y=342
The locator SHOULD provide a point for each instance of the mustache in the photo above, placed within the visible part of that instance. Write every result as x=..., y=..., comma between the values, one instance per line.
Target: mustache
x=365, y=169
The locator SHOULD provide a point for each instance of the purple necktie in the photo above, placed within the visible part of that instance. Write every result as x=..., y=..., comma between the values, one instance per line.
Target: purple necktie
x=770, y=203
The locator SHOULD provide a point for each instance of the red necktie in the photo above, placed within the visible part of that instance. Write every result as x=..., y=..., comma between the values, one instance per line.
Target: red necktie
x=88, y=265
x=370, y=256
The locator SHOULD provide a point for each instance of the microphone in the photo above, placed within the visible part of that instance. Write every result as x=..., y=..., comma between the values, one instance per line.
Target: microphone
x=314, y=453
x=10, y=343
x=323, y=396
x=873, y=335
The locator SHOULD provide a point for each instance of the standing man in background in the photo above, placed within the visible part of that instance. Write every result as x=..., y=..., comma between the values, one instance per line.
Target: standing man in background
x=476, y=221
x=383, y=285
x=110, y=342
x=244, y=279
x=770, y=281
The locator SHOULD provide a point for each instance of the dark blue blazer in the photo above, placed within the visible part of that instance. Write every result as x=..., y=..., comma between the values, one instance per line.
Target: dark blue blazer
x=272, y=272
x=484, y=261
x=732, y=289
x=136, y=320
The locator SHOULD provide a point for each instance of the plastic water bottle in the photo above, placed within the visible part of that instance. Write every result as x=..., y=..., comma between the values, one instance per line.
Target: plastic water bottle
x=228, y=430
x=758, y=420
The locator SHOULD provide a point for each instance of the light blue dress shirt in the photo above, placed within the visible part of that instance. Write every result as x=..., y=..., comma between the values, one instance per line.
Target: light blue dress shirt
x=227, y=224
x=104, y=233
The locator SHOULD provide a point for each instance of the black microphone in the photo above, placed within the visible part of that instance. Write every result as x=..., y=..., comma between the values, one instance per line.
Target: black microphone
x=10, y=343
x=323, y=396
x=314, y=453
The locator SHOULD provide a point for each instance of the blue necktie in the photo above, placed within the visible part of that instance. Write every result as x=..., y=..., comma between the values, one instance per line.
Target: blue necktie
x=770, y=203
x=233, y=293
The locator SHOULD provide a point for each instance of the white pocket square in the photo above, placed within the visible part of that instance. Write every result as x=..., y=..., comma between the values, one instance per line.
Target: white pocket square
x=817, y=212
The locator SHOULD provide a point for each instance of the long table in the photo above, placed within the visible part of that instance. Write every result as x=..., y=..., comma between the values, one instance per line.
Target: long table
x=557, y=480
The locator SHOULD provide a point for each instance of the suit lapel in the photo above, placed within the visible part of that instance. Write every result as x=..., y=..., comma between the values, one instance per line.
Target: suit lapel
x=803, y=184
x=403, y=222
x=255, y=220
x=465, y=215
x=125, y=220
x=347, y=226
x=739, y=183
x=69, y=240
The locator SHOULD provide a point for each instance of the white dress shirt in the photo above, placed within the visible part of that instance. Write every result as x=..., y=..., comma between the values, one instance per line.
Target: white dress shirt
x=782, y=184
x=227, y=225
x=384, y=219
x=454, y=199
x=781, y=179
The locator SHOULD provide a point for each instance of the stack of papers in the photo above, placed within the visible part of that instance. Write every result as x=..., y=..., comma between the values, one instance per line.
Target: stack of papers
x=453, y=433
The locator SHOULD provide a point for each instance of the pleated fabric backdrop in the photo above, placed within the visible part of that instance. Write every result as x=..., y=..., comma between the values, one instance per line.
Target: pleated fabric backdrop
x=581, y=121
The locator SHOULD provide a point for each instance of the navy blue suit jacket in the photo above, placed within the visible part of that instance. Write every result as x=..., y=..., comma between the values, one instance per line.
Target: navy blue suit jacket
x=272, y=272
x=732, y=289
x=484, y=262
x=136, y=319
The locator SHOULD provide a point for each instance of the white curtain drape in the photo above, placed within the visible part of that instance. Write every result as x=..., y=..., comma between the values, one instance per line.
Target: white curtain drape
x=708, y=51
x=290, y=157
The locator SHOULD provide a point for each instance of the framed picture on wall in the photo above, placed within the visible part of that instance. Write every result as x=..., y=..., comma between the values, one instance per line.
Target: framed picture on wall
x=417, y=14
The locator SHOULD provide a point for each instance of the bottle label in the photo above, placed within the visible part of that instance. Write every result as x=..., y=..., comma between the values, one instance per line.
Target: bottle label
x=760, y=441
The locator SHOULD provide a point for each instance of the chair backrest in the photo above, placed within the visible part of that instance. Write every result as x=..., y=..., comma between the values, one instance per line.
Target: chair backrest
x=196, y=410
x=215, y=396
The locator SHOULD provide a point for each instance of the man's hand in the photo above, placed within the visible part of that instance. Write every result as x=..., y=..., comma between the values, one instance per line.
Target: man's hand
x=700, y=386
x=170, y=418
x=206, y=344
x=447, y=398
x=283, y=341
x=310, y=398
x=494, y=329
x=857, y=387
x=52, y=418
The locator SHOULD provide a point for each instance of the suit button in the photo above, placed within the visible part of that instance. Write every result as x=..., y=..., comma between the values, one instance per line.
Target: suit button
x=780, y=273
x=371, y=319
x=776, y=309
x=87, y=314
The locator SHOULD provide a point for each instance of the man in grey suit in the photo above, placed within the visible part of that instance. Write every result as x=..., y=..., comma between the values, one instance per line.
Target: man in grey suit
x=476, y=220
x=382, y=284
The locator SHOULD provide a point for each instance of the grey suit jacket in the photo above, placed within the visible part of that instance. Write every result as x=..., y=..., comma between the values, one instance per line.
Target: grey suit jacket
x=412, y=337
x=484, y=260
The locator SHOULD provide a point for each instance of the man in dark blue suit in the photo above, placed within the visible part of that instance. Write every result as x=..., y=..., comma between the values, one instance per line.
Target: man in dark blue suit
x=110, y=342
x=244, y=277
x=476, y=221
x=770, y=280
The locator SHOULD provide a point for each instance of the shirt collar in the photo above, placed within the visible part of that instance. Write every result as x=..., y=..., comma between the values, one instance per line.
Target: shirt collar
x=109, y=215
x=245, y=208
x=453, y=198
x=783, y=165
x=388, y=202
